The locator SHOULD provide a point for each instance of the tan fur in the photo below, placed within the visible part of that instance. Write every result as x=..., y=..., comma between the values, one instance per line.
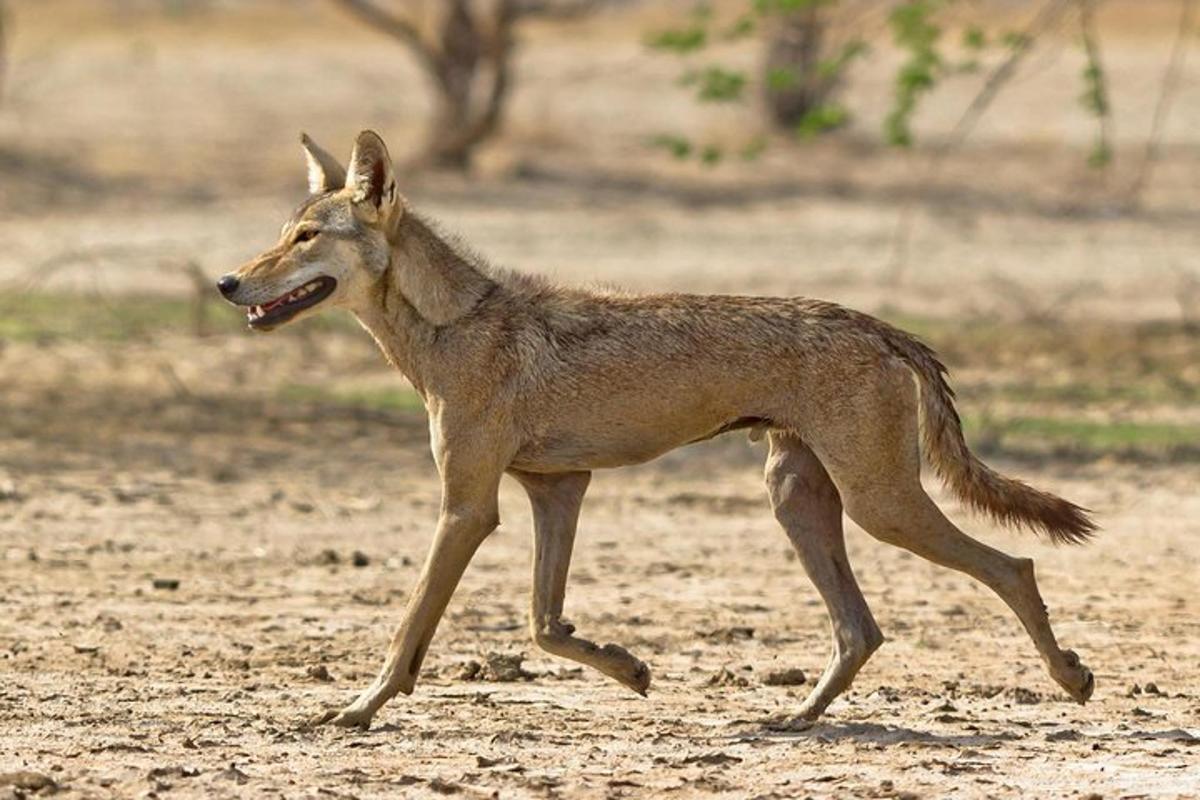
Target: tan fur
x=547, y=384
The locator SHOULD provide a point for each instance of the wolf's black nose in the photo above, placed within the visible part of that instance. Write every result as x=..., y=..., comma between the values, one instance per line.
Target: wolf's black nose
x=228, y=284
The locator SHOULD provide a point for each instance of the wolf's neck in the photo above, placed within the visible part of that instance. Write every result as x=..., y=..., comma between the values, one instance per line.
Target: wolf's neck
x=428, y=285
x=440, y=282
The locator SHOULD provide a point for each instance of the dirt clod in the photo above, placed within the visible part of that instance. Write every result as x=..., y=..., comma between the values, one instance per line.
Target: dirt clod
x=793, y=676
x=505, y=668
x=726, y=677
x=1022, y=696
x=28, y=781
x=319, y=672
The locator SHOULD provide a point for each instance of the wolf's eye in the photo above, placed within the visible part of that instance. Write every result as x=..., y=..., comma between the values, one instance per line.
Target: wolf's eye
x=306, y=235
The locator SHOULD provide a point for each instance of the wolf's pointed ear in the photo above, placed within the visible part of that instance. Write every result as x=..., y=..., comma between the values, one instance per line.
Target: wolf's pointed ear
x=325, y=174
x=371, y=181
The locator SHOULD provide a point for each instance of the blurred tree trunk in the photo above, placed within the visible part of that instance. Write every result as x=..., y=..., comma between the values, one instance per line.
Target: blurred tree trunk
x=796, y=80
x=3, y=48
x=472, y=76
x=467, y=53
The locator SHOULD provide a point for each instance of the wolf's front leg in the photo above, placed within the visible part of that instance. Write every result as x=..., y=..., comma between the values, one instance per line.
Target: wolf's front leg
x=469, y=514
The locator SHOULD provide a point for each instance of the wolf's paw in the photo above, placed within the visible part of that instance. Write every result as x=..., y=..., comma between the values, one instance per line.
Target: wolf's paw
x=790, y=723
x=1075, y=678
x=346, y=718
x=639, y=680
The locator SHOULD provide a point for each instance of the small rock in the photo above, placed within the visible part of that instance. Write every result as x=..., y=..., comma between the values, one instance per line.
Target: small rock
x=1152, y=688
x=319, y=672
x=712, y=759
x=225, y=474
x=9, y=493
x=360, y=559
x=303, y=507
x=167, y=584
x=167, y=773
x=785, y=677
x=1023, y=697
x=734, y=633
x=233, y=774
x=469, y=671
x=25, y=780
x=888, y=694
x=1068, y=735
x=505, y=668
x=726, y=677
x=328, y=557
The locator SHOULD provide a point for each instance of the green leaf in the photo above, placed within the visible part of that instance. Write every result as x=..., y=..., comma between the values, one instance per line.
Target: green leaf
x=974, y=38
x=782, y=78
x=679, y=40
x=822, y=119
x=715, y=84
x=1101, y=155
x=676, y=145
x=742, y=27
x=711, y=155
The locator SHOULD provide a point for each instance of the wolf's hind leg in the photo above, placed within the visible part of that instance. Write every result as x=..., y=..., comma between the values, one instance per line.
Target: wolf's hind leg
x=807, y=505
x=877, y=469
x=556, y=500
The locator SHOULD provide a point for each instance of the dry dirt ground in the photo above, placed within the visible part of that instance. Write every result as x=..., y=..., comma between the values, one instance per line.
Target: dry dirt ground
x=206, y=540
x=186, y=577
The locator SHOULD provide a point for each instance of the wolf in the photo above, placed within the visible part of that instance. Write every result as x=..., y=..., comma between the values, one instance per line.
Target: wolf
x=546, y=384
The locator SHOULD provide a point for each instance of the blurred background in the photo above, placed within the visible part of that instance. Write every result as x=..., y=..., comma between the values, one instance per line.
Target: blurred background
x=1016, y=182
x=1039, y=224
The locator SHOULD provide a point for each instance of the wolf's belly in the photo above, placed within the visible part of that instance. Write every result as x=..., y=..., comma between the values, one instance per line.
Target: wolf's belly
x=620, y=445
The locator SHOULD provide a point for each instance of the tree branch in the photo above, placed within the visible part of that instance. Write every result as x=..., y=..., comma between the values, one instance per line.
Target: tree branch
x=394, y=26
x=992, y=85
x=559, y=9
x=1002, y=74
x=3, y=47
x=1166, y=95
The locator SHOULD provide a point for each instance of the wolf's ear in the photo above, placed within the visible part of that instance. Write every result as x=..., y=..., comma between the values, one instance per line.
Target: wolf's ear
x=371, y=181
x=325, y=174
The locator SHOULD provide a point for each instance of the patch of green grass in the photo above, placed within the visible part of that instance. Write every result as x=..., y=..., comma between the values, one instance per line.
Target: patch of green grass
x=1086, y=436
x=371, y=399
x=1070, y=363
x=1080, y=393
x=55, y=316
x=37, y=316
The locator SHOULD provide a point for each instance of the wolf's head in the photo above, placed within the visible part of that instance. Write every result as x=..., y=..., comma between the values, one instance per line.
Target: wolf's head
x=334, y=247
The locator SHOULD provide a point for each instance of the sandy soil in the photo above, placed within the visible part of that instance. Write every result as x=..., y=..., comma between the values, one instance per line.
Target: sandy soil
x=187, y=578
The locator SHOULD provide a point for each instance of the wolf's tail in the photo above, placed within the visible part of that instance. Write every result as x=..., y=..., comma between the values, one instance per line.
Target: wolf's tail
x=1009, y=501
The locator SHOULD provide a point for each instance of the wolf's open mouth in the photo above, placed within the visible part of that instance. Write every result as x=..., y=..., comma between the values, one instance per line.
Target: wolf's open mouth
x=282, y=309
